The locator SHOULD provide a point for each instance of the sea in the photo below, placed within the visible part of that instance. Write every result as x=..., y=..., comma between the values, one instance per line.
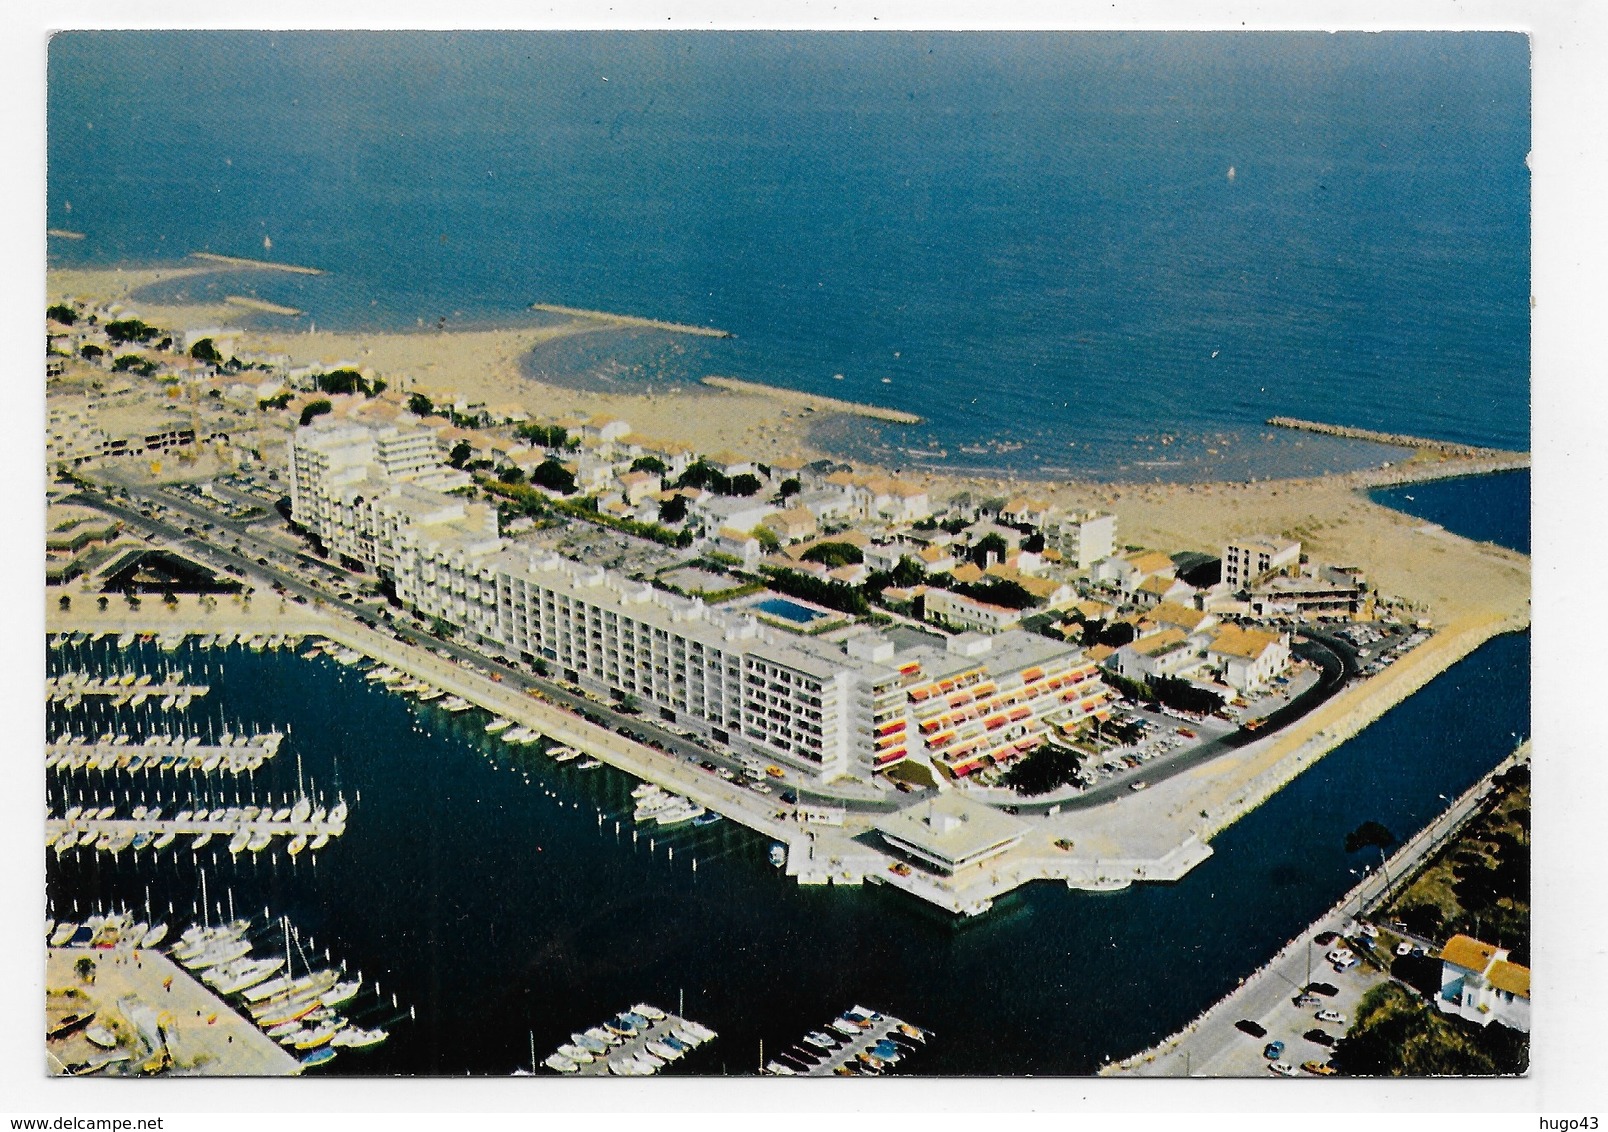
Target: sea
x=492, y=898
x=1489, y=508
x=1100, y=255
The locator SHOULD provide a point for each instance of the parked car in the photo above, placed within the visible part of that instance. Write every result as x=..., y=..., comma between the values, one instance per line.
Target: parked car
x=1318, y=1068
x=1328, y=990
x=1319, y=1037
x=1282, y=1068
x=1255, y=1029
x=1305, y=999
x=1273, y=1050
x=1331, y=1016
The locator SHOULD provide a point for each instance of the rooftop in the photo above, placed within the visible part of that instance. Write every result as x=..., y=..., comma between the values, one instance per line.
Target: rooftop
x=951, y=830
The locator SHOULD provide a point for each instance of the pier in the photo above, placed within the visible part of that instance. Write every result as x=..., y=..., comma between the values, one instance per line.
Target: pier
x=632, y=320
x=250, y=828
x=72, y=688
x=1399, y=440
x=634, y=1043
x=814, y=401
x=263, y=305
x=861, y=1041
x=259, y=264
x=163, y=752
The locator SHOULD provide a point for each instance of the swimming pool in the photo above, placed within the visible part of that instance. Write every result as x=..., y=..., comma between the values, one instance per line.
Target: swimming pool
x=789, y=610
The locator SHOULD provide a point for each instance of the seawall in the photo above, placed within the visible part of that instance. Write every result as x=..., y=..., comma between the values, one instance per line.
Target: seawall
x=814, y=401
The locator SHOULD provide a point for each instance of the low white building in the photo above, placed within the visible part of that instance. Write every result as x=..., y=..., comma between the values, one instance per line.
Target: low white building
x=1249, y=658
x=1479, y=983
x=961, y=612
x=1081, y=537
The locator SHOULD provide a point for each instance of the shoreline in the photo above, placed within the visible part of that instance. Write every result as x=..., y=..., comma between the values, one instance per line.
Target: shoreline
x=632, y=320
x=256, y=264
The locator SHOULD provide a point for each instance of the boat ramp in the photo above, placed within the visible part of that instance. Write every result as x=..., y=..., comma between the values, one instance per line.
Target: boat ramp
x=229, y=754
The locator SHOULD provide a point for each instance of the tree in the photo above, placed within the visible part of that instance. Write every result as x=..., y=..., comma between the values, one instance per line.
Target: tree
x=343, y=381
x=990, y=543
x=85, y=969
x=276, y=402
x=745, y=484
x=314, y=409
x=673, y=510
x=545, y=436
x=206, y=351
x=767, y=540
x=459, y=456
x=101, y=603
x=91, y=351
x=130, y=330
x=998, y=591
x=553, y=476
x=62, y=313
x=511, y=474
x=790, y=488
x=649, y=464
x=1369, y=835
x=834, y=554
x=1045, y=769
x=420, y=405
x=66, y=603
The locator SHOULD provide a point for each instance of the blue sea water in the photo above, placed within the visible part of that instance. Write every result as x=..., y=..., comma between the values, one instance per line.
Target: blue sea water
x=1095, y=254
x=1493, y=508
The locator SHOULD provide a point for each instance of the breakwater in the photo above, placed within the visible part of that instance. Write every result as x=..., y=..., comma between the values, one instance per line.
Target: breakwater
x=633, y=320
x=814, y=401
x=258, y=264
x=1400, y=440
x=260, y=305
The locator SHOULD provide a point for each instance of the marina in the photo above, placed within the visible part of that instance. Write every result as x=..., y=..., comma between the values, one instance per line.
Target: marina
x=128, y=687
x=638, y=1042
x=245, y=828
x=860, y=1042
x=118, y=751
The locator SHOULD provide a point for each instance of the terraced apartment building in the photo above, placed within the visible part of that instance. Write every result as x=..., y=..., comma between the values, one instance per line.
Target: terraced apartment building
x=846, y=704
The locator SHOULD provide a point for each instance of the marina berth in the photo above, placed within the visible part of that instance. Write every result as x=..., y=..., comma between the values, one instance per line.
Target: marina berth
x=638, y=1042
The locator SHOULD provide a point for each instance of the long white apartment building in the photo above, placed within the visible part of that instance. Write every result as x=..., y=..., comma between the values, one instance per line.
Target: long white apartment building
x=842, y=708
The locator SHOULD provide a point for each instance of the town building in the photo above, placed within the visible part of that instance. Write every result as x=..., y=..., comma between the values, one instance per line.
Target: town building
x=951, y=832
x=1082, y=538
x=1249, y=658
x=1479, y=983
x=1246, y=560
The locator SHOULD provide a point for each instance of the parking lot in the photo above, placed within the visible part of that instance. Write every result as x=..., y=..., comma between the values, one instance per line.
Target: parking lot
x=1284, y=1013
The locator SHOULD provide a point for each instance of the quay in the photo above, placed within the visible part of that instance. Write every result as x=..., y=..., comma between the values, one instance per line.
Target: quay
x=244, y=829
x=1157, y=835
x=259, y=264
x=814, y=400
x=163, y=752
x=164, y=1019
x=632, y=320
x=1211, y=1046
x=1399, y=440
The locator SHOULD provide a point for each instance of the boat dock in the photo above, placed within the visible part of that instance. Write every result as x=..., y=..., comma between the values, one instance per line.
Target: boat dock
x=72, y=688
x=251, y=828
x=859, y=1042
x=241, y=754
x=634, y=1043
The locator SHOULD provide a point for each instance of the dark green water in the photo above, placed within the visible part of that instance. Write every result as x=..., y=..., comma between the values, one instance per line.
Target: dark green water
x=497, y=907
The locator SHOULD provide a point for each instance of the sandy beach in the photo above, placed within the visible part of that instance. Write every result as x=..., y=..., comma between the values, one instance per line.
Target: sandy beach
x=1450, y=578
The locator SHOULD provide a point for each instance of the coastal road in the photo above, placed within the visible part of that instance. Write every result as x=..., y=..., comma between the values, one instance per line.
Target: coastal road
x=1212, y=1047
